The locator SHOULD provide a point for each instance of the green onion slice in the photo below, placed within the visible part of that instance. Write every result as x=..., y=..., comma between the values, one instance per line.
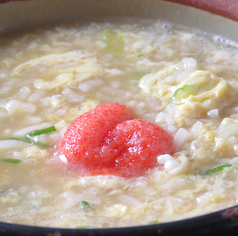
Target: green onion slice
x=114, y=42
x=40, y=131
x=29, y=138
x=154, y=222
x=26, y=140
x=85, y=204
x=85, y=227
x=186, y=91
x=215, y=169
x=40, y=144
x=11, y=160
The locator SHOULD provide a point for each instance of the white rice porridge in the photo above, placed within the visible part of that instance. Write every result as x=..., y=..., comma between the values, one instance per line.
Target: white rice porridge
x=184, y=80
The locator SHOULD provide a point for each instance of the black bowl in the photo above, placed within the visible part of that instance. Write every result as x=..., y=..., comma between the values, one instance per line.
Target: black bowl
x=20, y=14
x=224, y=222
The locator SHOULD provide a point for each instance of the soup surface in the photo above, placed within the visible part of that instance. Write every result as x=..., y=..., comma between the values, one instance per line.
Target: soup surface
x=181, y=79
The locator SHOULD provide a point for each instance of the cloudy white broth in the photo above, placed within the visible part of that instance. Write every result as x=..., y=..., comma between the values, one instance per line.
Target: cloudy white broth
x=182, y=80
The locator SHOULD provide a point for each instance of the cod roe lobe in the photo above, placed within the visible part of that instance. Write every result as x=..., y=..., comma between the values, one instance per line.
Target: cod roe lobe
x=106, y=140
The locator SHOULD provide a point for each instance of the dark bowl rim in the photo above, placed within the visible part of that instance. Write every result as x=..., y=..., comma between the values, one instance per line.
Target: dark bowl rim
x=220, y=221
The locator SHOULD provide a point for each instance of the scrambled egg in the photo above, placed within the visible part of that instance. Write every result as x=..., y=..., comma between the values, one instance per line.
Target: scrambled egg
x=75, y=67
x=193, y=91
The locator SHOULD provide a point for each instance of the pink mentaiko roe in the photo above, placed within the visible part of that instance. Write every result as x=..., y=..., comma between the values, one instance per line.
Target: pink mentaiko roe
x=106, y=140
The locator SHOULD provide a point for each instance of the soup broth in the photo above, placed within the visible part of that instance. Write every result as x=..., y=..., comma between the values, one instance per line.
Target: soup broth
x=179, y=78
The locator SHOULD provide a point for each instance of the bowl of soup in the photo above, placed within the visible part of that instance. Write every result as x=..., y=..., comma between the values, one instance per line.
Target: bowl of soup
x=118, y=117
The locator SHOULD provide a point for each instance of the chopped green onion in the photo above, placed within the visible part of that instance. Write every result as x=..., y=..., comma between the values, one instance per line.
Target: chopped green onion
x=84, y=227
x=185, y=92
x=29, y=138
x=215, y=169
x=10, y=160
x=40, y=131
x=154, y=222
x=26, y=140
x=114, y=42
x=85, y=204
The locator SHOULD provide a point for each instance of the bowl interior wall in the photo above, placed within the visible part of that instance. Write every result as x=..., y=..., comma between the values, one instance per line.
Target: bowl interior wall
x=41, y=12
